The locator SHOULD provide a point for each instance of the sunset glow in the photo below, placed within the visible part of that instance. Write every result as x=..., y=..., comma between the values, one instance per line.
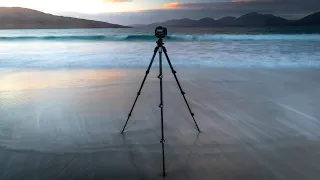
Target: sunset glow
x=171, y=5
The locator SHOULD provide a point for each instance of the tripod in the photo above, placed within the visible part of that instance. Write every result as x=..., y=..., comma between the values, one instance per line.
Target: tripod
x=161, y=48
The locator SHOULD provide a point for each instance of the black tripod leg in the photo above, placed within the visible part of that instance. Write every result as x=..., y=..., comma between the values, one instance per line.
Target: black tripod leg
x=182, y=92
x=139, y=92
x=161, y=106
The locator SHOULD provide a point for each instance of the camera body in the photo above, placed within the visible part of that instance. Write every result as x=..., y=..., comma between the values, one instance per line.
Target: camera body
x=161, y=32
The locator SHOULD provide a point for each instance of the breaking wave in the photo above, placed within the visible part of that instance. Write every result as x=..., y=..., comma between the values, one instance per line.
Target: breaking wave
x=212, y=37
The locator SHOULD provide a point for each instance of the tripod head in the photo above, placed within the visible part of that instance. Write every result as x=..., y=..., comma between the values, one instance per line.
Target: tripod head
x=160, y=32
x=160, y=42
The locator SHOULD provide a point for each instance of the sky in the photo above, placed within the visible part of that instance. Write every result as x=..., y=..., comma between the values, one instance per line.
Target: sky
x=129, y=12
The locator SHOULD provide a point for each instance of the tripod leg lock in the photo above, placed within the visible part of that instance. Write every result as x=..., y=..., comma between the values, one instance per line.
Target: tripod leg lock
x=192, y=114
x=174, y=72
x=182, y=92
x=138, y=93
x=162, y=141
x=160, y=76
x=160, y=105
x=147, y=72
x=129, y=114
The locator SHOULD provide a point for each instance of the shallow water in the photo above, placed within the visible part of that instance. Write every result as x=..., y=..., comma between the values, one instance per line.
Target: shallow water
x=104, y=48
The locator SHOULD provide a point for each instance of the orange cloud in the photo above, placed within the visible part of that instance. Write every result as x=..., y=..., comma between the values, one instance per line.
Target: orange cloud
x=172, y=5
x=251, y=0
x=241, y=0
x=115, y=1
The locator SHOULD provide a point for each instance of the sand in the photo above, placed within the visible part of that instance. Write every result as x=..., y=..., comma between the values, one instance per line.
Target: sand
x=65, y=124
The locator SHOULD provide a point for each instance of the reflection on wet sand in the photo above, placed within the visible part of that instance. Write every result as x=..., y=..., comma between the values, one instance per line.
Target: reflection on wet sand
x=35, y=79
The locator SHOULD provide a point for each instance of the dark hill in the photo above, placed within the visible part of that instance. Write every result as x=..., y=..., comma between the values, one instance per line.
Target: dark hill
x=228, y=21
x=176, y=23
x=311, y=20
x=205, y=22
x=256, y=19
x=23, y=18
x=252, y=19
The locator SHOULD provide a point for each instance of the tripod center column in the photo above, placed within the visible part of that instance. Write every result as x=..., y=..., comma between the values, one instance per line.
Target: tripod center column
x=161, y=107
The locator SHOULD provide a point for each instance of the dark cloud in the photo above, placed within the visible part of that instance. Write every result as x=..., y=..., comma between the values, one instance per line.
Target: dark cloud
x=291, y=9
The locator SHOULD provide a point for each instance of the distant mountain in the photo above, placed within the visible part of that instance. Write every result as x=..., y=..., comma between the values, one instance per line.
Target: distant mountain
x=228, y=21
x=176, y=23
x=312, y=19
x=138, y=25
x=23, y=18
x=205, y=22
x=256, y=19
x=252, y=19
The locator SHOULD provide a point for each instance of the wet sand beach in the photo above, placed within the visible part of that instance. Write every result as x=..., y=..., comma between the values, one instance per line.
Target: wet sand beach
x=260, y=123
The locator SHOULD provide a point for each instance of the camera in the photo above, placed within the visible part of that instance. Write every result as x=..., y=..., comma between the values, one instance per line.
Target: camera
x=161, y=32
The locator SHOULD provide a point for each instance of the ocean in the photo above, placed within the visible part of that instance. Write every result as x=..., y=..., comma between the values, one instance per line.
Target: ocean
x=187, y=47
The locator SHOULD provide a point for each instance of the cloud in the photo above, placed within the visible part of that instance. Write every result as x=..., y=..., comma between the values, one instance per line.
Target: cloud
x=171, y=5
x=116, y=1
